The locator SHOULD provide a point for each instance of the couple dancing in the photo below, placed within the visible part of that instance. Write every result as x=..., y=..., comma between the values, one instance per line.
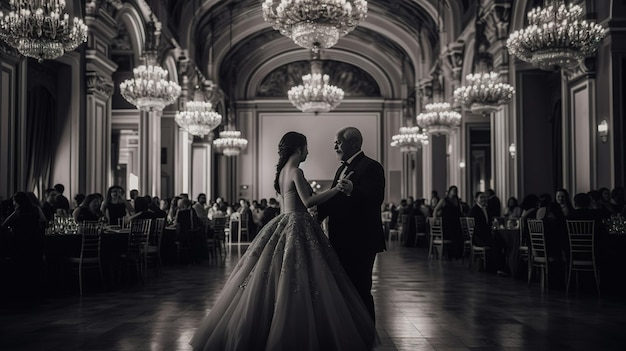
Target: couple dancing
x=294, y=289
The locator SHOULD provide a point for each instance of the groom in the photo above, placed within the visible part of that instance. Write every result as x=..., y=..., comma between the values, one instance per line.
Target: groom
x=354, y=218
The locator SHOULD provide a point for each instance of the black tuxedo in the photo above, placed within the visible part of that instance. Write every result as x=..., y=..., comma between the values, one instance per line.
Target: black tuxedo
x=355, y=224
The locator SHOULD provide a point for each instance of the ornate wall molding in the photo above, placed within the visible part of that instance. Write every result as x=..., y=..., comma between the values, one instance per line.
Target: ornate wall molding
x=353, y=80
x=97, y=84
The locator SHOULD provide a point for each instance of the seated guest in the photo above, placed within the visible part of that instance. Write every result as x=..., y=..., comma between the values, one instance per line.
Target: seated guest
x=78, y=200
x=482, y=222
x=513, y=210
x=89, y=209
x=49, y=205
x=186, y=218
x=142, y=208
x=483, y=235
x=155, y=206
x=62, y=202
x=564, y=201
x=200, y=207
x=554, y=227
x=582, y=208
x=115, y=206
x=171, y=215
x=597, y=203
x=271, y=211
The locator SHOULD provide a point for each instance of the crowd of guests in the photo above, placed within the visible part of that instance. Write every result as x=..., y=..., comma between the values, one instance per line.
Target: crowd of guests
x=489, y=213
x=25, y=217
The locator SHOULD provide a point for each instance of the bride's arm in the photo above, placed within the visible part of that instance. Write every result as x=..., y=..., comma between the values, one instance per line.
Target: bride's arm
x=304, y=190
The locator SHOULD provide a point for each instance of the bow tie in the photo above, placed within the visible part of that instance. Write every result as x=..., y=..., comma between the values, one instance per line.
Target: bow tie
x=345, y=163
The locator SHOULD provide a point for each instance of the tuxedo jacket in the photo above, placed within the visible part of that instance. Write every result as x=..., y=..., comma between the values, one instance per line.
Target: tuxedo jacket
x=354, y=222
x=482, y=227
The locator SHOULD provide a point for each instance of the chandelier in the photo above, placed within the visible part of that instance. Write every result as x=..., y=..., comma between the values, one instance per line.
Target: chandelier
x=315, y=94
x=230, y=143
x=41, y=29
x=557, y=35
x=409, y=139
x=439, y=118
x=198, y=118
x=483, y=94
x=314, y=22
x=149, y=89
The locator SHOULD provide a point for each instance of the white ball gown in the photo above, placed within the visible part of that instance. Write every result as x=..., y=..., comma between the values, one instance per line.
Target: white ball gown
x=288, y=292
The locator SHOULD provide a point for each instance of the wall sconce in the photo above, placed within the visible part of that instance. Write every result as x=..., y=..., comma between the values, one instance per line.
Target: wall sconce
x=603, y=130
x=461, y=164
x=512, y=150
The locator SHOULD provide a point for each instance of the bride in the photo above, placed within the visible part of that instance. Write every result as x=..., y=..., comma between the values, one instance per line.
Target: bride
x=289, y=290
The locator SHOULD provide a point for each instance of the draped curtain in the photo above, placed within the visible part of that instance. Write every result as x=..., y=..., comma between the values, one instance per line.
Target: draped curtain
x=40, y=136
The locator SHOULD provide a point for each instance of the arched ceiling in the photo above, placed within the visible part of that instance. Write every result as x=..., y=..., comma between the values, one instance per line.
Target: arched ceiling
x=398, y=41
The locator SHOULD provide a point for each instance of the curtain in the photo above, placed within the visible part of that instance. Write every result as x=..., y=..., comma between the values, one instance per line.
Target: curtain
x=40, y=136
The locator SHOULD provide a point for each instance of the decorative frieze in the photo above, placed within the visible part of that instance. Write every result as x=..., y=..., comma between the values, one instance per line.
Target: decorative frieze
x=97, y=84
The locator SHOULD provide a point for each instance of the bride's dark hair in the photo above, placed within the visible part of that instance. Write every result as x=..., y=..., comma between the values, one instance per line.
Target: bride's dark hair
x=288, y=145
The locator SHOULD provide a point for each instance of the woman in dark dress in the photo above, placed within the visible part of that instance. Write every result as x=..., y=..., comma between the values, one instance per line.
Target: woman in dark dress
x=115, y=206
x=89, y=209
x=451, y=212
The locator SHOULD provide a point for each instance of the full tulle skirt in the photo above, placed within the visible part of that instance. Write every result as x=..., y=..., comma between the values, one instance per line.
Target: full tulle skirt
x=287, y=292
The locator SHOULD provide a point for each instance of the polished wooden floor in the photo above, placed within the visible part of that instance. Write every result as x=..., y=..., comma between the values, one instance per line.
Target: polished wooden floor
x=421, y=305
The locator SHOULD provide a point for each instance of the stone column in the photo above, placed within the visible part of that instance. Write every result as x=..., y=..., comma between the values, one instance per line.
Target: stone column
x=99, y=83
x=150, y=153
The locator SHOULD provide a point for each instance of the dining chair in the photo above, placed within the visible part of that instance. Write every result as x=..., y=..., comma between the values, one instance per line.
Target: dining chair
x=523, y=248
x=538, y=256
x=243, y=228
x=437, y=241
x=476, y=253
x=420, y=229
x=221, y=236
x=136, y=249
x=89, y=257
x=582, y=250
x=153, y=251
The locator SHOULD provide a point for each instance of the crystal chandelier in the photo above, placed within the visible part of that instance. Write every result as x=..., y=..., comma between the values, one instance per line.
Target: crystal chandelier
x=483, y=94
x=557, y=35
x=149, y=89
x=315, y=94
x=409, y=139
x=439, y=118
x=41, y=29
x=198, y=118
x=230, y=143
x=314, y=22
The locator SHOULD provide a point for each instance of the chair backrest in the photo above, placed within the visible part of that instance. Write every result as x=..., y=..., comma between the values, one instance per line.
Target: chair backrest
x=537, y=241
x=156, y=233
x=243, y=221
x=436, y=228
x=420, y=224
x=467, y=227
x=139, y=235
x=219, y=224
x=581, y=234
x=91, y=238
